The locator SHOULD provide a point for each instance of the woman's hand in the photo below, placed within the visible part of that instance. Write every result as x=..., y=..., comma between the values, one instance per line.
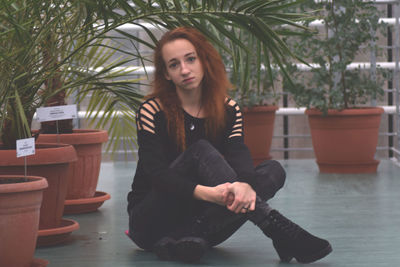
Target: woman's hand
x=238, y=197
x=217, y=194
x=244, y=198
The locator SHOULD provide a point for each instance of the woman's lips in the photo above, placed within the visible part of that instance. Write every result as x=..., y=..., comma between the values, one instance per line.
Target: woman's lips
x=188, y=80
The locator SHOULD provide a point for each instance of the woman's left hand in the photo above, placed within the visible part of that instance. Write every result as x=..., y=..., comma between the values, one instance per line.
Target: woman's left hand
x=244, y=198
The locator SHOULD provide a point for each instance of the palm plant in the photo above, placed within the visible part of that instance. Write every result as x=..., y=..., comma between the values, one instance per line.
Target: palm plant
x=53, y=47
x=46, y=49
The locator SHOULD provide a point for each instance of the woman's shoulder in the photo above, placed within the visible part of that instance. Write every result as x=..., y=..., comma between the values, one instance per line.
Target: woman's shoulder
x=232, y=105
x=147, y=114
x=152, y=105
x=235, y=115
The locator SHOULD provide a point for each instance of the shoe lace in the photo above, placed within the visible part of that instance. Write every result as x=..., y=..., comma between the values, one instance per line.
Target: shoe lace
x=285, y=225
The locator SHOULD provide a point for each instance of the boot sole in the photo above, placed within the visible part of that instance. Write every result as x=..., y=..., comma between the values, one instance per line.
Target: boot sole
x=190, y=249
x=317, y=256
x=165, y=249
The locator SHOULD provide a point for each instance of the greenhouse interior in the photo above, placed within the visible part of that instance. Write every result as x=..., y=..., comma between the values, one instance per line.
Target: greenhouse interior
x=101, y=113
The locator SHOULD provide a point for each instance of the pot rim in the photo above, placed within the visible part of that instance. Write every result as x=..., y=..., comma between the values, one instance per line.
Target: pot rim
x=35, y=183
x=262, y=108
x=77, y=137
x=346, y=112
x=44, y=155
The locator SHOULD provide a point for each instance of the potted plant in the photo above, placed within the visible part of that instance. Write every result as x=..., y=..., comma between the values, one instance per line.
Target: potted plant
x=22, y=77
x=56, y=49
x=20, y=200
x=84, y=173
x=255, y=77
x=256, y=95
x=80, y=71
x=337, y=97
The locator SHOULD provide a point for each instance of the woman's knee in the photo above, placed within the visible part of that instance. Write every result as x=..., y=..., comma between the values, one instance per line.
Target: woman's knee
x=204, y=150
x=272, y=171
x=201, y=146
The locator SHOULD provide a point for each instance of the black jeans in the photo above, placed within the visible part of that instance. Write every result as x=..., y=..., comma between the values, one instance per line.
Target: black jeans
x=160, y=214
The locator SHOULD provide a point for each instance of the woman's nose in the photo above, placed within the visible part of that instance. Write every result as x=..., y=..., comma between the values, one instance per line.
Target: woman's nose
x=184, y=69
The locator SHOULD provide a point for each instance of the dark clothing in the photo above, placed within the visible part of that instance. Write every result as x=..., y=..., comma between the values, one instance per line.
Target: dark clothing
x=157, y=150
x=159, y=206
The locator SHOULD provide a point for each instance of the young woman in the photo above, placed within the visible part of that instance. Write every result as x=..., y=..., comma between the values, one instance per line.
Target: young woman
x=195, y=183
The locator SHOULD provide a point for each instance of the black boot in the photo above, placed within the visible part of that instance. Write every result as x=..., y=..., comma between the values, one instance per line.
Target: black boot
x=165, y=249
x=186, y=249
x=186, y=245
x=291, y=241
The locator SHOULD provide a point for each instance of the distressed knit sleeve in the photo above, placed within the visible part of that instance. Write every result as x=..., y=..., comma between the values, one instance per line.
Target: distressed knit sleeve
x=236, y=152
x=152, y=157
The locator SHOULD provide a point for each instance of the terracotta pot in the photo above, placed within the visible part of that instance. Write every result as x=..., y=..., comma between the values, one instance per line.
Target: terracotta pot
x=345, y=141
x=52, y=162
x=258, y=131
x=84, y=175
x=19, y=219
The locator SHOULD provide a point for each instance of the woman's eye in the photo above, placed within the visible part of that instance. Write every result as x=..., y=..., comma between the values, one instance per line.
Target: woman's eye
x=173, y=65
x=191, y=59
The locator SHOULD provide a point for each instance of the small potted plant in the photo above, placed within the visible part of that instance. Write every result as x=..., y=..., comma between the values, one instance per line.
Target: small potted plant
x=344, y=128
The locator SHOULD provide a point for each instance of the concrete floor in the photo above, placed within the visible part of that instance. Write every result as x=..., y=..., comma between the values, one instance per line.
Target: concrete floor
x=359, y=215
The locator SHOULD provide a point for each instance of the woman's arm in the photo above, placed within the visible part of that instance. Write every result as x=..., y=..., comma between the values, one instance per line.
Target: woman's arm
x=152, y=157
x=236, y=152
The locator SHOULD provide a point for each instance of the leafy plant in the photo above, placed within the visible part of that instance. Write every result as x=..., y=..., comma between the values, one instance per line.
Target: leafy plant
x=49, y=49
x=349, y=27
x=43, y=51
x=254, y=72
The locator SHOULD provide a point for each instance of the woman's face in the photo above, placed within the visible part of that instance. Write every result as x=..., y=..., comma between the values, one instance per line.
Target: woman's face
x=183, y=66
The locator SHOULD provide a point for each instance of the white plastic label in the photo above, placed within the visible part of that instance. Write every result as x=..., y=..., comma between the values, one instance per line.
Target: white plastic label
x=25, y=147
x=56, y=113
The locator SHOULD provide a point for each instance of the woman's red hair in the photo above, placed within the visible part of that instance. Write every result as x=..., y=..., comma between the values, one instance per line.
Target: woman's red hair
x=214, y=85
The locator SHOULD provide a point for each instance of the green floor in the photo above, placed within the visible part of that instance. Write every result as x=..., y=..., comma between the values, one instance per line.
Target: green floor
x=358, y=214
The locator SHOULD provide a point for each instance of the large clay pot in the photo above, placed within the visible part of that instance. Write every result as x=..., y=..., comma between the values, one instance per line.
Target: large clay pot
x=83, y=177
x=258, y=131
x=20, y=201
x=52, y=162
x=345, y=141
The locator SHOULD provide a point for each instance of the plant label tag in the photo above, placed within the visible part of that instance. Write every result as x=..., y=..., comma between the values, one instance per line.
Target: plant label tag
x=25, y=147
x=56, y=113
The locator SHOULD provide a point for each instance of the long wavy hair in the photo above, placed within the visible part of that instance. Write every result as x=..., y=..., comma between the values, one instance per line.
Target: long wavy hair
x=214, y=85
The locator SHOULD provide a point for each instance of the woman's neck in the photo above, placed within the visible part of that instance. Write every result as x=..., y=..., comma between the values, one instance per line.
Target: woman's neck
x=191, y=102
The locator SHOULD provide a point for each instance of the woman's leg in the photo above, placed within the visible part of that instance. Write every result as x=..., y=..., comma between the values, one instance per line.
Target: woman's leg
x=212, y=169
x=203, y=163
x=156, y=216
x=270, y=178
x=217, y=223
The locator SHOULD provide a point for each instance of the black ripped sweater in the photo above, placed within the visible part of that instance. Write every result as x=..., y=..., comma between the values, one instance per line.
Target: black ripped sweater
x=157, y=150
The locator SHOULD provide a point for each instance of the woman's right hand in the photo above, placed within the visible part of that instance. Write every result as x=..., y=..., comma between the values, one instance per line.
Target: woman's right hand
x=219, y=194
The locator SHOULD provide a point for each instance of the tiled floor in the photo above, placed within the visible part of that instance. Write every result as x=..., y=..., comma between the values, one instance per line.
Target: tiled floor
x=359, y=215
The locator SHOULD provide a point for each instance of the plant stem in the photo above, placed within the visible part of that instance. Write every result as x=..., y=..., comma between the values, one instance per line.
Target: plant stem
x=340, y=54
